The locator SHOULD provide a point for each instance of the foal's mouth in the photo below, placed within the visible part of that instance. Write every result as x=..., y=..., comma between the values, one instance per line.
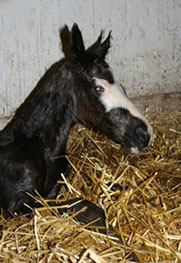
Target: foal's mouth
x=135, y=150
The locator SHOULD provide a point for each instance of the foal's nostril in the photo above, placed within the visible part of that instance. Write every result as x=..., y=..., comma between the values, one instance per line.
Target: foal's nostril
x=142, y=133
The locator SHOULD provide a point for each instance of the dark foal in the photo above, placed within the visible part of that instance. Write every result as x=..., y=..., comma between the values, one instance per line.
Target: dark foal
x=81, y=88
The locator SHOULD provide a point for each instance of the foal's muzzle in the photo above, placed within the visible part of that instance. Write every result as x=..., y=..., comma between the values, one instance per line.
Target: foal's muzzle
x=143, y=139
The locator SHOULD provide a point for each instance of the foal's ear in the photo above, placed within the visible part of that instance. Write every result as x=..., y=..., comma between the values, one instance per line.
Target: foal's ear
x=77, y=42
x=96, y=44
x=66, y=41
x=102, y=49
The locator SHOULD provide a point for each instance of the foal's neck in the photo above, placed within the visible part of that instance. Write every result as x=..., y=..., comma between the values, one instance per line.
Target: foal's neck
x=46, y=113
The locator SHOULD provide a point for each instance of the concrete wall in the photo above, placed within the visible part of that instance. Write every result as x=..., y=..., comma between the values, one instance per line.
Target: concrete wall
x=146, y=45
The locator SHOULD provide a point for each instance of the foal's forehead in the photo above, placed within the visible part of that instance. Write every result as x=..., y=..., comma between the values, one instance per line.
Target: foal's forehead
x=103, y=71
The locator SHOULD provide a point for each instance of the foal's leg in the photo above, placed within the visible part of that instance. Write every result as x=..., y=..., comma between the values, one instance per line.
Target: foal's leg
x=55, y=169
x=20, y=173
x=91, y=213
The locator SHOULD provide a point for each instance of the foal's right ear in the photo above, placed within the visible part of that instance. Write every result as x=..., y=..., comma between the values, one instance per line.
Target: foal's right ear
x=77, y=42
x=103, y=48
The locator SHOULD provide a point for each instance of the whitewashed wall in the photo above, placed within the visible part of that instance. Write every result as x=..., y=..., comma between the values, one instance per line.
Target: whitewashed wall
x=146, y=45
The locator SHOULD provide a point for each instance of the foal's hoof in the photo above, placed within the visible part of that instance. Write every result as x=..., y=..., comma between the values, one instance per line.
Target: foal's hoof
x=90, y=212
x=94, y=216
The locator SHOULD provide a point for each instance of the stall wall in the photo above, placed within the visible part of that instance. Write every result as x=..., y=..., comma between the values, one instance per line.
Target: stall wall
x=145, y=53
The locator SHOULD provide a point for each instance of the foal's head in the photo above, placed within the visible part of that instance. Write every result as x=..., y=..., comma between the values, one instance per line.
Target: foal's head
x=100, y=100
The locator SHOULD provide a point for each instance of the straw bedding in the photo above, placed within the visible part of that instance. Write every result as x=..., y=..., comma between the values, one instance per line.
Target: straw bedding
x=141, y=196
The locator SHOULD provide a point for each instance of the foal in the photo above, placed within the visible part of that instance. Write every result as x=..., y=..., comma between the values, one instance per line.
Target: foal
x=81, y=88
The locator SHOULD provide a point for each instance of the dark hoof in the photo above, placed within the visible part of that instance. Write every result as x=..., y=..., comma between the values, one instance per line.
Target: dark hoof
x=92, y=213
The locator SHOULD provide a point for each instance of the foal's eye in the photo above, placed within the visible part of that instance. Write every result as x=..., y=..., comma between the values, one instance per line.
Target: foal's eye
x=100, y=89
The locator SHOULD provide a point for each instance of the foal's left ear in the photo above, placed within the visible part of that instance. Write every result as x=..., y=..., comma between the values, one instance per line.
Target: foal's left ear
x=77, y=42
x=102, y=50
